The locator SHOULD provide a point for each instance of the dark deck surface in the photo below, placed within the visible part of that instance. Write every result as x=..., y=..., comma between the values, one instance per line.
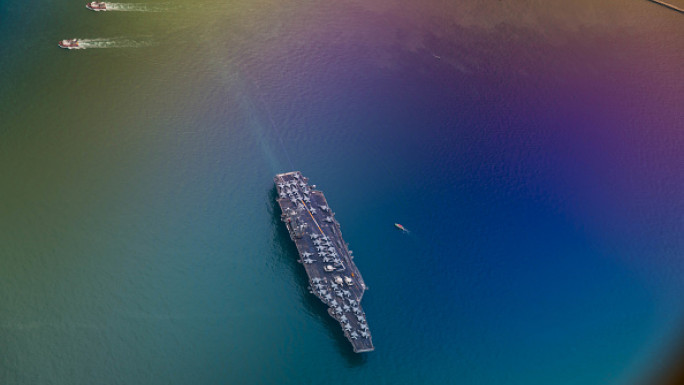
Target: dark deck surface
x=316, y=233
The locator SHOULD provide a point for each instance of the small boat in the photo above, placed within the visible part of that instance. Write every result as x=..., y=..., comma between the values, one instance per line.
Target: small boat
x=400, y=227
x=69, y=44
x=97, y=6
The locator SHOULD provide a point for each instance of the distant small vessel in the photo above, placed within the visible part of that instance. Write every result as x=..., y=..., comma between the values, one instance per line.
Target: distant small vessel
x=69, y=44
x=97, y=6
x=400, y=227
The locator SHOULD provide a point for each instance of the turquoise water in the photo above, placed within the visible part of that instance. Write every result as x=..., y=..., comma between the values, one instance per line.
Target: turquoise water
x=533, y=150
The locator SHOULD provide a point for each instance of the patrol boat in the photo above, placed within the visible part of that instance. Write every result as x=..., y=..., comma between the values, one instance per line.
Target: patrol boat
x=69, y=44
x=97, y=6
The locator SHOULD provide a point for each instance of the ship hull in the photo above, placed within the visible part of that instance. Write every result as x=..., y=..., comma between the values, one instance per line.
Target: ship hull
x=96, y=8
x=333, y=276
x=68, y=46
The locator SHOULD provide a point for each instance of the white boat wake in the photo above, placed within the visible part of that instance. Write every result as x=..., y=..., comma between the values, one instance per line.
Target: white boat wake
x=138, y=7
x=112, y=43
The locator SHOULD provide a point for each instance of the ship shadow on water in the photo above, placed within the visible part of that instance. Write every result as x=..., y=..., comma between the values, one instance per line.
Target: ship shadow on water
x=287, y=256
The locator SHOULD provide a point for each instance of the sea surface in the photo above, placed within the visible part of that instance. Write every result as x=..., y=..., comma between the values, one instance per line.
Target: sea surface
x=534, y=149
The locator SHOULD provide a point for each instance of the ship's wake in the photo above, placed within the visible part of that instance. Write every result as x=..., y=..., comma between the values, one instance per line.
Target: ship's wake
x=112, y=43
x=138, y=7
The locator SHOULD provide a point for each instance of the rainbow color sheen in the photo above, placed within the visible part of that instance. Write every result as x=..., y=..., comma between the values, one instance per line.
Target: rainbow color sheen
x=534, y=149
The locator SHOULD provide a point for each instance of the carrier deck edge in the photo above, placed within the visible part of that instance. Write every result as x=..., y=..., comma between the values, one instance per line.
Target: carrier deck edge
x=333, y=276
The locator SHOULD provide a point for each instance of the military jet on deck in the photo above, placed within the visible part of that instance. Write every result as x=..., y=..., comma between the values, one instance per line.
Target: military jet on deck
x=347, y=327
x=306, y=254
x=365, y=334
x=354, y=335
x=314, y=235
x=308, y=261
x=316, y=280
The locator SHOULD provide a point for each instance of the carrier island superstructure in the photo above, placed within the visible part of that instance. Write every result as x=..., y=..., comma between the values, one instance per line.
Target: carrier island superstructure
x=333, y=276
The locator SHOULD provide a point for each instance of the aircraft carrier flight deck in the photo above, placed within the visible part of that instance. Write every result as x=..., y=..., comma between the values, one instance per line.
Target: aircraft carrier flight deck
x=333, y=276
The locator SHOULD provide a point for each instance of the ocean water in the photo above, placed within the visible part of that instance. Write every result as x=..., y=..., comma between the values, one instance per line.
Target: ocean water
x=533, y=148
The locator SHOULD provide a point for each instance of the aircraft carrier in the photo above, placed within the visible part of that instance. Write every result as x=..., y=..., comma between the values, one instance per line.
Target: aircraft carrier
x=333, y=276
